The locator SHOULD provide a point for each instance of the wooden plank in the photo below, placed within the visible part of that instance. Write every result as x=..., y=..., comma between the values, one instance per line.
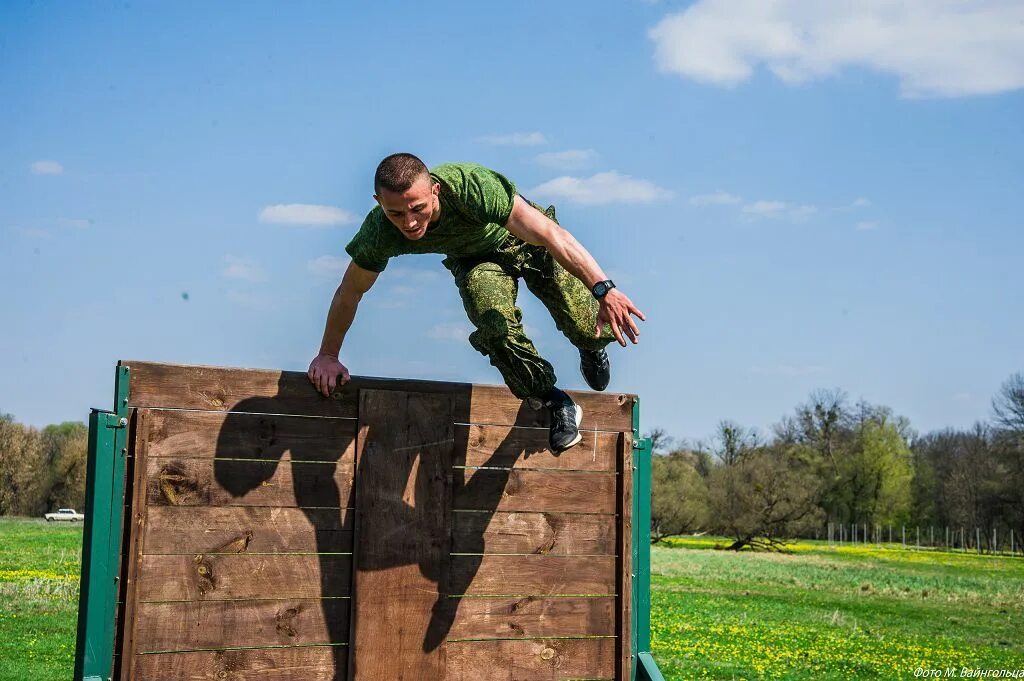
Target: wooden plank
x=209, y=434
x=135, y=520
x=404, y=458
x=290, y=392
x=526, y=490
x=624, y=566
x=512, y=447
x=542, y=533
x=217, y=577
x=192, y=625
x=247, y=529
x=533, y=617
x=532, y=660
x=233, y=482
x=306, y=663
x=532, y=575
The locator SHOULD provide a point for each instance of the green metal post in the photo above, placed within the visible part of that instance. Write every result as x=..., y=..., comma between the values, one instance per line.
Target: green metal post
x=644, y=666
x=101, y=542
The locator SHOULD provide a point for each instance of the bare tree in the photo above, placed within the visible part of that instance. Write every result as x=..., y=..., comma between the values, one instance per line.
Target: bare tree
x=765, y=499
x=1008, y=404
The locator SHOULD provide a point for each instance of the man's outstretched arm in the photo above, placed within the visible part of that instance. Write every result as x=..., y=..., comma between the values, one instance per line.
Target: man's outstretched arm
x=532, y=226
x=326, y=371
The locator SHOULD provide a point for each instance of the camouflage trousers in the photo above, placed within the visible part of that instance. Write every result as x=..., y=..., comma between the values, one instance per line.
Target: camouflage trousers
x=489, y=285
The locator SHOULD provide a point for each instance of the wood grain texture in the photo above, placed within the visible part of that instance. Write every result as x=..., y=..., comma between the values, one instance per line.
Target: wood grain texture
x=526, y=490
x=514, y=447
x=624, y=565
x=209, y=434
x=247, y=529
x=533, y=617
x=532, y=575
x=307, y=663
x=134, y=516
x=532, y=660
x=218, y=577
x=540, y=533
x=231, y=482
x=290, y=392
x=403, y=506
x=192, y=625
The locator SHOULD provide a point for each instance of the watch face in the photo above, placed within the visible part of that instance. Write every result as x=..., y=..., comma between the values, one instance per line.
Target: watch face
x=600, y=288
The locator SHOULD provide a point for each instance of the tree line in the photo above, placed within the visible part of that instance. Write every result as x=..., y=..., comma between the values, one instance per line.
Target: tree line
x=42, y=469
x=834, y=464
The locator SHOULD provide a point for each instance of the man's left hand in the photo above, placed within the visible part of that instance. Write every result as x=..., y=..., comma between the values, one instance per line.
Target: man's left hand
x=615, y=311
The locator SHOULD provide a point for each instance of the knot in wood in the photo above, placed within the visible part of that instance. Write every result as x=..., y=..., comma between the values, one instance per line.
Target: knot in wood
x=547, y=654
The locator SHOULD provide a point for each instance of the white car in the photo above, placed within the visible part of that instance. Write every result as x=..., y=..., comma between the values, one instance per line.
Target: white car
x=64, y=514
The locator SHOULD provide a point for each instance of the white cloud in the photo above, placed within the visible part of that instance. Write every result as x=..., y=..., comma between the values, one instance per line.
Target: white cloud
x=46, y=168
x=765, y=208
x=305, y=214
x=450, y=332
x=602, y=188
x=860, y=202
x=802, y=212
x=329, y=266
x=937, y=48
x=245, y=269
x=515, y=139
x=719, y=198
x=780, y=209
x=867, y=225
x=571, y=159
x=32, y=232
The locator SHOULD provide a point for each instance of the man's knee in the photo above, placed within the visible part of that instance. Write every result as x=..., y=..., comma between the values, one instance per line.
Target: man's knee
x=489, y=299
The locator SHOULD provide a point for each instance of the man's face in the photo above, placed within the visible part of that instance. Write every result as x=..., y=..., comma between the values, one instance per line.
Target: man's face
x=410, y=211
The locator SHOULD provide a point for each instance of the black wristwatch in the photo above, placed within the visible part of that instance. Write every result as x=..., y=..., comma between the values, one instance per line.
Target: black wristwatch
x=601, y=288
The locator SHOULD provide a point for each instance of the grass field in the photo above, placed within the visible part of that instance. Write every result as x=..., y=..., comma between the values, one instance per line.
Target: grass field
x=39, y=568
x=826, y=612
x=818, y=613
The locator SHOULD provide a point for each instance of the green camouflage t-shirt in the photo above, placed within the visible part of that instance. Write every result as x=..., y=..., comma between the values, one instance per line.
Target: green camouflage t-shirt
x=475, y=205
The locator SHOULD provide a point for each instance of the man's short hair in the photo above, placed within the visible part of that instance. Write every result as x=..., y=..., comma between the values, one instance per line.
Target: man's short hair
x=398, y=172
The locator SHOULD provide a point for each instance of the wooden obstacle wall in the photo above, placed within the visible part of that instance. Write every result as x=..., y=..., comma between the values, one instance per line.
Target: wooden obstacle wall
x=398, y=530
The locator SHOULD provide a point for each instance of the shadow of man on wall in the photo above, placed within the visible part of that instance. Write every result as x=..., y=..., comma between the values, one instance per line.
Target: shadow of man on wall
x=250, y=456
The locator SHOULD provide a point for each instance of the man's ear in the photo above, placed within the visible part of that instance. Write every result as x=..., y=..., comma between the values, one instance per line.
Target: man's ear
x=377, y=199
x=436, y=188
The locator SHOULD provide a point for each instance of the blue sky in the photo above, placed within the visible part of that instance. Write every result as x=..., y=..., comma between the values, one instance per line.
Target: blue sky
x=798, y=196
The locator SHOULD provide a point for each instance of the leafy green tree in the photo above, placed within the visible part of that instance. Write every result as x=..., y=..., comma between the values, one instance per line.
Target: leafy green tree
x=65, y=448
x=22, y=469
x=679, y=497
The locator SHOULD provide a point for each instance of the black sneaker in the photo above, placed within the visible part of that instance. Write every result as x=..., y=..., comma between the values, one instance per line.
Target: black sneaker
x=566, y=416
x=596, y=368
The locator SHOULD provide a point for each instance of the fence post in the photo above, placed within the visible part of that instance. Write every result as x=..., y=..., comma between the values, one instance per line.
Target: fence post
x=904, y=530
x=102, y=534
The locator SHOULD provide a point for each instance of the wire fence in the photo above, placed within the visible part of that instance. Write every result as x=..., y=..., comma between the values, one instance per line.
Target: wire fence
x=975, y=540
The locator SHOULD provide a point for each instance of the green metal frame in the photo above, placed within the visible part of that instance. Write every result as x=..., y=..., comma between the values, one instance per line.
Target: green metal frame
x=644, y=666
x=101, y=545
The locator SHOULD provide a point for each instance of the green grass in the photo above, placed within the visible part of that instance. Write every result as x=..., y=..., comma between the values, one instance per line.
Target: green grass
x=825, y=612
x=39, y=567
x=818, y=613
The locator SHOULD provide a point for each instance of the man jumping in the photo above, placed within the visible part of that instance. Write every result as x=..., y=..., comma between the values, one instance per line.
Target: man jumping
x=492, y=237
